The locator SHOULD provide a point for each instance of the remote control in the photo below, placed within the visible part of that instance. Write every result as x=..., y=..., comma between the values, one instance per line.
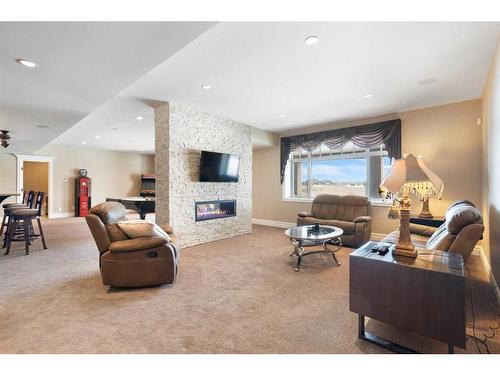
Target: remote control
x=384, y=249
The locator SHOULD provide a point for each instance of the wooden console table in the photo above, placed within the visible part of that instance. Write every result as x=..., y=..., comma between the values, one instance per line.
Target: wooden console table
x=424, y=295
x=435, y=221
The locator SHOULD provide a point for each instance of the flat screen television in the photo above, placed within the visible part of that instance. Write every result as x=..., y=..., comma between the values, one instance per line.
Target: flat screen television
x=218, y=167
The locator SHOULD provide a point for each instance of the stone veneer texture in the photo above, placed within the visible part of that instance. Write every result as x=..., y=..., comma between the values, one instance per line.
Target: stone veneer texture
x=181, y=133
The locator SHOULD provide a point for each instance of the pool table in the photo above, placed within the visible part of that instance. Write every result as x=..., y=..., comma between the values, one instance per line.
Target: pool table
x=7, y=195
x=142, y=205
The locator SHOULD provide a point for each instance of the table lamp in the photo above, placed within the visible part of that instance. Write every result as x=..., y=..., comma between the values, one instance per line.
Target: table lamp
x=433, y=187
x=406, y=175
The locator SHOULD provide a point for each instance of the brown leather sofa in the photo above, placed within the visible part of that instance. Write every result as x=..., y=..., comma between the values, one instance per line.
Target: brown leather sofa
x=462, y=229
x=352, y=213
x=133, y=253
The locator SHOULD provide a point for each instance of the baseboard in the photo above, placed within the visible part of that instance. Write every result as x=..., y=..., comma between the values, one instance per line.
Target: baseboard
x=59, y=215
x=487, y=267
x=378, y=236
x=273, y=223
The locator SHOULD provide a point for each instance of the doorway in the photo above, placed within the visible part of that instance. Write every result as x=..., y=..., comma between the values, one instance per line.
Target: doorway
x=36, y=178
x=35, y=173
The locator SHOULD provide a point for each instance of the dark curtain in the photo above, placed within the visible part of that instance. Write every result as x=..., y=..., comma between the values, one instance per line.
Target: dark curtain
x=365, y=136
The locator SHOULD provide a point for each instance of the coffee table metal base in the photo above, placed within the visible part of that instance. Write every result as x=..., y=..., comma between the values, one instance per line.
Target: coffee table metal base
x=298, y=249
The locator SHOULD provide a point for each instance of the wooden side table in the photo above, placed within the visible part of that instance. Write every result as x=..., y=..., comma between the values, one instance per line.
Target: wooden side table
x=424, y=295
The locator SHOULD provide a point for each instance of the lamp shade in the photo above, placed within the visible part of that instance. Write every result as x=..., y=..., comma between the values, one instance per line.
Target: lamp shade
x=412, y=172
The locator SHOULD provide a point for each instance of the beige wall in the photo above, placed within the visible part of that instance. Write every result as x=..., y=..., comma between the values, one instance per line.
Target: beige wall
x=7, y=174
x=263, y=138
x=491, y=175
x=36, y=176
x=114, y=174
x=267, y=202
x=446, y=136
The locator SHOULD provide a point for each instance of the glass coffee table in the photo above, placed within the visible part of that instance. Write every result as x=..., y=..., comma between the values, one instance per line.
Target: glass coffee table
x=306, y=235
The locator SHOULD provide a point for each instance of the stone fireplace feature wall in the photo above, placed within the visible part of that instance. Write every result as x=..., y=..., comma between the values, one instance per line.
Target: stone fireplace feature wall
x=181, y=132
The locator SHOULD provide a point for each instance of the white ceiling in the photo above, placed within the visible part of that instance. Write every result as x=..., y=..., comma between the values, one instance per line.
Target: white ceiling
x=116, y=126
x=261, y=70
x=81, y=65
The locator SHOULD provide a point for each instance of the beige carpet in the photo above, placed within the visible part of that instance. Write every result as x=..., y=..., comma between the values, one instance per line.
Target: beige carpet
x=239, y=295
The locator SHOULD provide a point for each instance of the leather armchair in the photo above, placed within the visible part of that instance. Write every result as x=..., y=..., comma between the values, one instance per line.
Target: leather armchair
x=462, y=229
x=132, y=253
x=349, y=212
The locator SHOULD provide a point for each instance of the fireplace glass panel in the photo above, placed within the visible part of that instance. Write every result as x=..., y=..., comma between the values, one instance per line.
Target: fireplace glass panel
x=210, y=210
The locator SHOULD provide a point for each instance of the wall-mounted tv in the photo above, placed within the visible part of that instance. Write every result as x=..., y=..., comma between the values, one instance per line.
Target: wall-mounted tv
x=218, y=167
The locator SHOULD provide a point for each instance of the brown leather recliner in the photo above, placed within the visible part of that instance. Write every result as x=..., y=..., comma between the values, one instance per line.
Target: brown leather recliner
x=133, y=253
x=462, y=229
x=351, y=213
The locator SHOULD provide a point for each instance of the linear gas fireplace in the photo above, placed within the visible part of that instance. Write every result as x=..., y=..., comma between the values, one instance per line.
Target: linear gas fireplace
x=210, y=210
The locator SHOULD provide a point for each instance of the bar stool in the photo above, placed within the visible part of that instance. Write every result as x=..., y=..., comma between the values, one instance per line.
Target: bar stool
x=20, y=227
x=28, y=199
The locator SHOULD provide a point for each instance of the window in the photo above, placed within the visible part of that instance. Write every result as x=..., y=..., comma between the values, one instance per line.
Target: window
x=347, y=171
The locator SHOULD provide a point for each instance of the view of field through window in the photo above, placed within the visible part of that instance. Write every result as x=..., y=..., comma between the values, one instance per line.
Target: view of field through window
x=339, y=176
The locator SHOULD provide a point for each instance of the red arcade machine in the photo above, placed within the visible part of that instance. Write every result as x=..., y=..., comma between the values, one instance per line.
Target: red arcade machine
x=82, y=194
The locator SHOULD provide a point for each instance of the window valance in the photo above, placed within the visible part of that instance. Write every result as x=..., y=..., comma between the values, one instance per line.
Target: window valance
x=365, y=136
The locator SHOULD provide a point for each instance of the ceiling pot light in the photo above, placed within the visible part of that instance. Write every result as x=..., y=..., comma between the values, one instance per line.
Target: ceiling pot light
x=43, y=126
x=311, y=40
x=428, y=81
x=367, y=96
x=97, y=137
x=84, y=143
x=138, y=118
x=282, y=116
x=206, y=87
x=27, y=63
x=114, y=129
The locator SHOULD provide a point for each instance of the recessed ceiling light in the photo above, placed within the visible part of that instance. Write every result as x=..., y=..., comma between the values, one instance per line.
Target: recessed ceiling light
x=138, y=118
x=27, y=63
x=97, y=137
x=206, y=87
x=130, y=141
x=43, y=126
x=282, y=116
x=114, y=129
x=311, y=40
x=84, y=143
x=367, y=96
